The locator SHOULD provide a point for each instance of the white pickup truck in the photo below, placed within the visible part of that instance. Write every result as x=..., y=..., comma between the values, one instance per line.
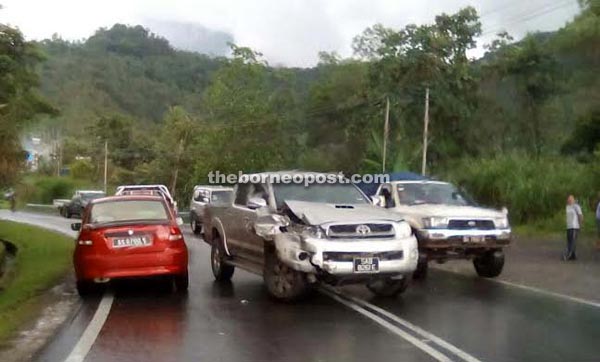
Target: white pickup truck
x=448, y=225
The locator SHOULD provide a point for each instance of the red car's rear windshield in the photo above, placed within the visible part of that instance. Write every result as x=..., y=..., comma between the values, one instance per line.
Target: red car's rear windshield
x=128, y=210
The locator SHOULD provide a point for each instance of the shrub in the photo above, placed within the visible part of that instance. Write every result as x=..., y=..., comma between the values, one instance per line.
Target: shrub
x=42, y=190
x=82, y=170
x=532, y=188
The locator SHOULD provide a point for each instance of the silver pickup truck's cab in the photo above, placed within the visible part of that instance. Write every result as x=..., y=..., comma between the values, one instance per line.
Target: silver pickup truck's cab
x=295, y=235
x=448, y=224
x=202, y=196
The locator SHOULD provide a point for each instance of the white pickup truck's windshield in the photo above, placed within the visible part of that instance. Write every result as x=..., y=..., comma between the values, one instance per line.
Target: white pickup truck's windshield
x=130, y=210
x=221, y=197
x=327, y=193
x=92, y=195
x=430, y=193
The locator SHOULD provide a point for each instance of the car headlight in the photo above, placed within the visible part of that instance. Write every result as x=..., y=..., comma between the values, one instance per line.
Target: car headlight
x=315, y=232
x=403, y=229
x=501, y=222
x=435, y=222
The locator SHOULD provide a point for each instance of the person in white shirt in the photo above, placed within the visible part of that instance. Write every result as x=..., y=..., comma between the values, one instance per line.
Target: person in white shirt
x=574, y=220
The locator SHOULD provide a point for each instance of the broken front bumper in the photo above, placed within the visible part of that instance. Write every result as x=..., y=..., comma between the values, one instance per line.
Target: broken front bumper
x=440, y=238
x=336, y=257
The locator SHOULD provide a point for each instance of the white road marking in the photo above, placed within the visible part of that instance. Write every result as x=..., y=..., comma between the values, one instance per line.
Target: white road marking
x=418, y=330
x=87, y=339
x=548, y=293
x=438, y=356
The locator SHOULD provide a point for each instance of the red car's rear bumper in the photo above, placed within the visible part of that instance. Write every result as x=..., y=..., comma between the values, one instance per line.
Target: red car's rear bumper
x=89, y=266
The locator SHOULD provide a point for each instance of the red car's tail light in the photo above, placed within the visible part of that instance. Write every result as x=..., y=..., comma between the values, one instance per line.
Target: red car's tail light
x=175, y=234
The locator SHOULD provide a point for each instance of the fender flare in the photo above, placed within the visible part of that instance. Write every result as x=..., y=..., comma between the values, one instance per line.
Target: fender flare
x=218, y=225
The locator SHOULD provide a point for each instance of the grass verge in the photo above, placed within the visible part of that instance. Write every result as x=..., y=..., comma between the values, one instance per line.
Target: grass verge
x=43, y=259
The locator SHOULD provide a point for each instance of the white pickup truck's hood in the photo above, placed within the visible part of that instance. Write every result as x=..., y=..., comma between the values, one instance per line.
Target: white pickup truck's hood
x=427, y=210
x=316, y=213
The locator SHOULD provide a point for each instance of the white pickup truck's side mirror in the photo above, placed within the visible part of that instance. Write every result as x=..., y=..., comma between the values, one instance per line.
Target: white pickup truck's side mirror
x=378, y=200
x=256, y=203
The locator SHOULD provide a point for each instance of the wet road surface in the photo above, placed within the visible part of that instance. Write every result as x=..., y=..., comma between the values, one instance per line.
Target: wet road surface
x=448, y=317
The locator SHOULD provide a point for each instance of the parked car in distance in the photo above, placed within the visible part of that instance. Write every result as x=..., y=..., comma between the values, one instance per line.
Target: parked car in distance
x=295, y=236
x=202, y=196
x=147, y=190
x=128, y=237
x=448, y=224
x=78, y=202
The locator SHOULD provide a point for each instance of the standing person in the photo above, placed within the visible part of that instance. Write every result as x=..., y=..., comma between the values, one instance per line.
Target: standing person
x=574, y=220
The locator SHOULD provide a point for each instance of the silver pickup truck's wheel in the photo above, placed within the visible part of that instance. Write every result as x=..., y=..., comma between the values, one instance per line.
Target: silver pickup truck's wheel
x=195, y=225
x=489, y=264
x=388, y=287
x=220, y=269
x=283, y=282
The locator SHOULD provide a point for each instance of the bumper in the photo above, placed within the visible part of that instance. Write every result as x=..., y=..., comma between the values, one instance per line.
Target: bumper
x=440, y=238
x=335, y=257
x=92, y=266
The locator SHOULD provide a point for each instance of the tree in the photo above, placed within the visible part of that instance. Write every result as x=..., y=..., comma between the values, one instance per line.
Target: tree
x=19, y=100
x=405, y=62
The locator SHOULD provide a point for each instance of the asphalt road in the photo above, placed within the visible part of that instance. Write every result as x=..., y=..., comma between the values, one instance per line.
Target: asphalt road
x=449, y=317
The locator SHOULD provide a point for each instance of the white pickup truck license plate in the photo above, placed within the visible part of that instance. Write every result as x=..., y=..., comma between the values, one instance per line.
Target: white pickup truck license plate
x=473, y=239
x=131, y=241
x=366, y=265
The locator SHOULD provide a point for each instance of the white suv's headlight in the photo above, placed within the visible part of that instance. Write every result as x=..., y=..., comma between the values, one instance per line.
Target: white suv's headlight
x=501, y=222
x=403, y=229
x=435, y=222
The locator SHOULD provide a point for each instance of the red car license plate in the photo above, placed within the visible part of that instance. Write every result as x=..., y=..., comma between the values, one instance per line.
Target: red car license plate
x=131, y=241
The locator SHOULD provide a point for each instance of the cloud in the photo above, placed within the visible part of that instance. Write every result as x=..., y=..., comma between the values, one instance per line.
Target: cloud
x=289, y=32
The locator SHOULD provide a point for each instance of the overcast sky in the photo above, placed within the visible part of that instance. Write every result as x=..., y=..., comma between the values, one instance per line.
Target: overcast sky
x=287, y=32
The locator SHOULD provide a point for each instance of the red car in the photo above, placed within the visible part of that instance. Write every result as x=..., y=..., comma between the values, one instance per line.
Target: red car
x=129, y=236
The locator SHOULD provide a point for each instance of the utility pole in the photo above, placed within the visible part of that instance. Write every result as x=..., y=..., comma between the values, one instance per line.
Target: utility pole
x=105, y=162
x=176, y=172
x=425, y=133
x=386, y=129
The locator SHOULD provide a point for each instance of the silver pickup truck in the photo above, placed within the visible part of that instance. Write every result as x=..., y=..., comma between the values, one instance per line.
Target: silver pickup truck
x=296, y=235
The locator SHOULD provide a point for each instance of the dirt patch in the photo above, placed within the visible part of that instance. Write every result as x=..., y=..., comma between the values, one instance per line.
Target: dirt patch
x=8, y=253
x=52, y=309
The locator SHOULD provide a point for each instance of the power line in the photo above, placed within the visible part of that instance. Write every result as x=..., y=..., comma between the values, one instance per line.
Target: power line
x=523, y=17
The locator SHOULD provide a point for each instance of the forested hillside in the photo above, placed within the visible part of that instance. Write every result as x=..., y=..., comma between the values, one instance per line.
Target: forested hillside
x=519, y=127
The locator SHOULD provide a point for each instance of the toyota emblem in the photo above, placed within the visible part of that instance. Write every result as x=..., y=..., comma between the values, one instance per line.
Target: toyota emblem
x=363, y=229
x=130, y=232
x=471, y=223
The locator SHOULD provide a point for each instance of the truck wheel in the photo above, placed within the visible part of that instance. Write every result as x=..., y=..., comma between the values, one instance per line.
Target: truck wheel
x=489, y=264
x=388, y=287
x=221, y=270
x=195, y=225
x=421, y=272
x=283, y=282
